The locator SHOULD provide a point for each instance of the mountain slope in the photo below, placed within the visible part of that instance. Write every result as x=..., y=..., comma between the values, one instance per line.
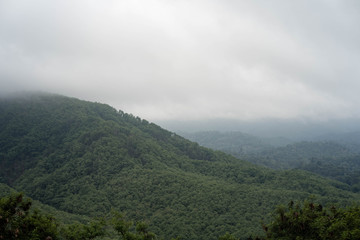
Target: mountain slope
x=350, y=139
x=343, y=169
x=230, y=142
x=61, y=216
x=276, y=153
x=297, y=154
x=87, y=158
x=326, y=158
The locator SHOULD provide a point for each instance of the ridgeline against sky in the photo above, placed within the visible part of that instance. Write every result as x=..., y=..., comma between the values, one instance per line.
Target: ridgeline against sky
x=194, y=60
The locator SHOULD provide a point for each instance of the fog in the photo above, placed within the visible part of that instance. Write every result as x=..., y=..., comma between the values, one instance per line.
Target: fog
x=189, y=60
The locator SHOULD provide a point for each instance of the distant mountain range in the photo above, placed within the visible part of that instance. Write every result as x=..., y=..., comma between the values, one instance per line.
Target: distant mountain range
x=335, y=155
x=87, y=158
x=293, y=129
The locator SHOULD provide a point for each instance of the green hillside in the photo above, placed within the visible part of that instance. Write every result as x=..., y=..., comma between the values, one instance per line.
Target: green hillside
x=300, y=153
x=329, y=159
x=276, y=153
x=88, y=158
x=343, y=169
x=63, y=217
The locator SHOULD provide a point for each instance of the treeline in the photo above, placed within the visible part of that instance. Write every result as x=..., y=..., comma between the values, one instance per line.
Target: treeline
x=306, y=221
x=18, y=220
x=87, y=158
x=311, y=221
x=335, y=160
x=343, y=169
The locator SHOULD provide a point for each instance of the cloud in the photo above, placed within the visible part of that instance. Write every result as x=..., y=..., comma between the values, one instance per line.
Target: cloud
x=188, y=59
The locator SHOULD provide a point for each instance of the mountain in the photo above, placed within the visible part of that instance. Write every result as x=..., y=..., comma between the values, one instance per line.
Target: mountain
x=276, y=153
x=235, y=143
x=63, y=217
x=343, y=169
x=349, y=139
x=299, y=153
x=337, y=159
x=294, y=129
x=88, y=158
x=230, y=142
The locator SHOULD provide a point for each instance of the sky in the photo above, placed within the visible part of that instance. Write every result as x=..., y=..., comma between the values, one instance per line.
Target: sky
x=188, y=59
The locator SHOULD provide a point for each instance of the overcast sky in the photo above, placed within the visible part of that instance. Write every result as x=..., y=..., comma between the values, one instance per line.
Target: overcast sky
x=188, y=60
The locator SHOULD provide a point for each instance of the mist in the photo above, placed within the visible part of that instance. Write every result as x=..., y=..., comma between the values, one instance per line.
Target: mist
x=189, y=60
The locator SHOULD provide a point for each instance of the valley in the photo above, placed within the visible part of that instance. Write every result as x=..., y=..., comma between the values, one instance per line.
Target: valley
x=86, y=159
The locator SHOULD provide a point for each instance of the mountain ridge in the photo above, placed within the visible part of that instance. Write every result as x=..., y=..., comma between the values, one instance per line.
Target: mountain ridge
x=87, y=158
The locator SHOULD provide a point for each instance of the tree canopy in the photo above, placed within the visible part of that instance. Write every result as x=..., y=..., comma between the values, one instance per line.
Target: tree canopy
x=88, y=158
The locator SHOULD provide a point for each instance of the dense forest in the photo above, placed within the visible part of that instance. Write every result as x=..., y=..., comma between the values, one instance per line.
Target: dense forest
x=85, y=160
x=308, y=221
x=276, y=152
x=333, y=157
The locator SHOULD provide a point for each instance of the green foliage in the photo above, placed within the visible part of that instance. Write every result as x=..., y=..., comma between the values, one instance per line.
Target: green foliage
x=61, y=216
x=227, y=236
x=328, y=159
x=87, y=158
x=124, y=227
x=313, y=221
x=343, y=169
x=18, y=222
x=78, y=231
x=296, y=154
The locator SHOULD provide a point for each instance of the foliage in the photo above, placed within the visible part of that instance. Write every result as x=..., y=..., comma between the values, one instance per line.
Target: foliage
x=296, y=154
x=18, y=222
x=124, y=227
x=328, y=159
x=88, y=158
x=78, y=231
x=343, y=169
x=313, y=221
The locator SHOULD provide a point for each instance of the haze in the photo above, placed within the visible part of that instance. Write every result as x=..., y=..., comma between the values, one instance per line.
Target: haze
x=189, y=60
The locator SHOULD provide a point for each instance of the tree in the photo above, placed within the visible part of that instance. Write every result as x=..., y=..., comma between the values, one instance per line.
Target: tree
x=18, y=222
x=124, y=227
x=313, y=221
x=227, y=236
x=78, y=231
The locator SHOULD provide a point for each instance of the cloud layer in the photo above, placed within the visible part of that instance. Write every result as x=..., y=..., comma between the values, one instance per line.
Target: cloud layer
x=188, y=59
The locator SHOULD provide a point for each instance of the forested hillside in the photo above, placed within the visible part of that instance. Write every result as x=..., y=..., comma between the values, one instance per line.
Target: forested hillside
x=351, y=140
x=297, y=154
x=343, y=169
x=62, y=216
x=276, y=153
x=88, y=158
x=336, y=159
